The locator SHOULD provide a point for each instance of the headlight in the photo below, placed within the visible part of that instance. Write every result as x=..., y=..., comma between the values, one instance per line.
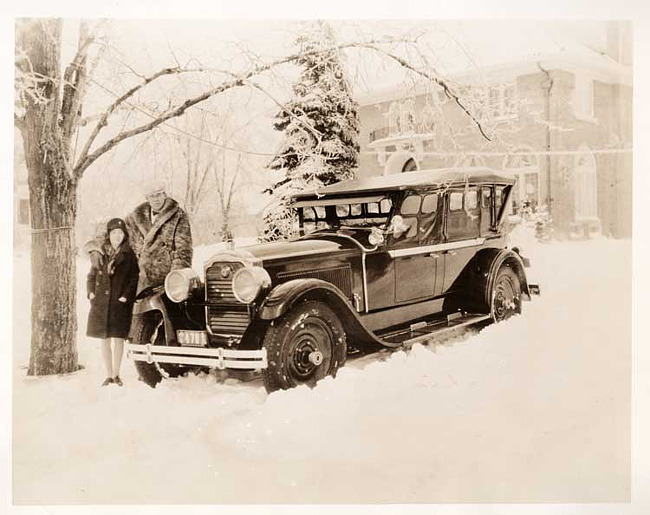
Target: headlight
x=180, y=283
x=248, y=282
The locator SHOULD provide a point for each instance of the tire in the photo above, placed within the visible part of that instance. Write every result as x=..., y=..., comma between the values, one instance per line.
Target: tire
x=506, y=295
x=305, y=345
x=144, y=331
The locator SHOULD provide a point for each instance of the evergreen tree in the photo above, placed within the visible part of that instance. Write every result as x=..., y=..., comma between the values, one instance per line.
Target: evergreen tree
x=321, y=127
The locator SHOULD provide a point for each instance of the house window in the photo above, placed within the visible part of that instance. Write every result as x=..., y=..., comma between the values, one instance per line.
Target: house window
x=523, y=163
x=469, y=161
x=401, y=117
x=502, y=101
x=493, y=102
x=23, y=211
x=583, y=98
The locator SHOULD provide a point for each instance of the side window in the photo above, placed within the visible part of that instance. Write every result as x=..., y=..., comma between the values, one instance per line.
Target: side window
x=411, y=205
x=343, y=210
x=487, y=215
x=456, y=201
x=471, y=200
x=308, y=213
x=409, y=212
x=321, y=212
x=499, y=198
x=486, y=195
x=430, y=203
x=383, y=207
x=430, y=222
x=463, y=219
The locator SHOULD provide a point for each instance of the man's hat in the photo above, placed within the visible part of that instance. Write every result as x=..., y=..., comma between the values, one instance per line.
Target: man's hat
x=153, y=187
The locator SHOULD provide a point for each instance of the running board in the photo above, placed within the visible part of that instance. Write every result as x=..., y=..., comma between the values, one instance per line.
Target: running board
x=423, y=331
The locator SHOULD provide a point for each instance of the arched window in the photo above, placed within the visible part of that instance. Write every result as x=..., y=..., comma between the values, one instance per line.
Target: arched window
x=585, y=185
x=410, y=166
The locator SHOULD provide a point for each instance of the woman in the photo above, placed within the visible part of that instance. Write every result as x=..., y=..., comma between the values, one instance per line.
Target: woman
x=111, y=289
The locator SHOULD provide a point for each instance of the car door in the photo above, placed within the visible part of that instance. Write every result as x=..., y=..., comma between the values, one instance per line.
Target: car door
x=462, y=225
x=415, y=266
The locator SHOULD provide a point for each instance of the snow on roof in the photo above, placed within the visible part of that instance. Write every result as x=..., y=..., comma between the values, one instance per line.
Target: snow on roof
x=397, y=182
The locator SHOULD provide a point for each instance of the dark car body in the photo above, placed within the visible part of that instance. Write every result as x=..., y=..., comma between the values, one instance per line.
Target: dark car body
x=392, y=259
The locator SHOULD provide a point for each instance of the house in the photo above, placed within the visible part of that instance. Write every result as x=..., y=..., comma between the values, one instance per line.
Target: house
x=21, y=220
x=560, y=122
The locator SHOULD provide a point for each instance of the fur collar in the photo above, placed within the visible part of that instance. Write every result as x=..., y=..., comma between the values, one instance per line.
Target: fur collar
x=142, y=218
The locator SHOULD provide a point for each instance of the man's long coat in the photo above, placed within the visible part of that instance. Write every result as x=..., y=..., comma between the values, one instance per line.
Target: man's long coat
x=164, y=246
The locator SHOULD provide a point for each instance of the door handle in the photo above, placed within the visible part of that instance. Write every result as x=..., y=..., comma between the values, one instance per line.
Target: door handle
x=451, y=252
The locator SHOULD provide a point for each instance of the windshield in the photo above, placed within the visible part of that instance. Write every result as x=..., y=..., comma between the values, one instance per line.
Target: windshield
x=338, y=214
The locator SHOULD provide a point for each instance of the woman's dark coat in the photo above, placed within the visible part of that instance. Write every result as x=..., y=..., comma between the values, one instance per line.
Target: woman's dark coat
x=108, y=317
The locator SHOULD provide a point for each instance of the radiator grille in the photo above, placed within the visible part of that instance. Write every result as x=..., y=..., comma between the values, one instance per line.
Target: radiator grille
x=341, y=277
x=224, y=313
x=228, y=319
x=217, y=288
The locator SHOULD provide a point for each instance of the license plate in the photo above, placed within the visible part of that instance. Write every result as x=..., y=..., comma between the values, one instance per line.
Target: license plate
x=193, y=338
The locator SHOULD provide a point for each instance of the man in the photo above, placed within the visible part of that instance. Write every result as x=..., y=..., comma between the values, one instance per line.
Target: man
x=160, y=235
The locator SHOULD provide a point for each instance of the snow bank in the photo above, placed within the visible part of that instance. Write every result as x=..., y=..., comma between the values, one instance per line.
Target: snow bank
x=536, y=409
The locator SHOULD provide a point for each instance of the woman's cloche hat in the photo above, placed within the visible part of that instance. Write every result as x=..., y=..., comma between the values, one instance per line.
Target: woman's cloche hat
x=116, y=223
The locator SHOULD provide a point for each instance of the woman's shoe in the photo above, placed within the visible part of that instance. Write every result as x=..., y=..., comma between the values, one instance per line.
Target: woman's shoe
x=107, y=381
x=118, y=381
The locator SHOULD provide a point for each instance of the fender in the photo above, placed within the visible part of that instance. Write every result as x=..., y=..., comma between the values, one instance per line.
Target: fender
x=480, y=274
x=156, y=302
x=512, y=258
x=284, y=296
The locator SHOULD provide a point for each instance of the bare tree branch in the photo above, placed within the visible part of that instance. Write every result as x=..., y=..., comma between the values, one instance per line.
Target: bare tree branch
x=86, y=159
x=104, y=117
x=75, y=80
x=450, y=94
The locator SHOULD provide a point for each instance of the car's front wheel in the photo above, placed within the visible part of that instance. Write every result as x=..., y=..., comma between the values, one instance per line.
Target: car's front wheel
x=506, y=294
x=151, y=329
x=303, y=346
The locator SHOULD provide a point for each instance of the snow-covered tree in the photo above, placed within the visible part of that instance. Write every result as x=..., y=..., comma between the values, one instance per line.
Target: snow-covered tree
x=320, y=123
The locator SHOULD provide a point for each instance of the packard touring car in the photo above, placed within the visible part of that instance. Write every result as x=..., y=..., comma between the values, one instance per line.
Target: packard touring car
x=378, y=262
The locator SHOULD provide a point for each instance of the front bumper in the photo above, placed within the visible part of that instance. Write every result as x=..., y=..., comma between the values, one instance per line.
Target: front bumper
x=206, y=357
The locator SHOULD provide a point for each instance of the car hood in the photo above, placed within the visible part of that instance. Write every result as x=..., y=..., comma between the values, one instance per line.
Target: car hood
x=323, y=244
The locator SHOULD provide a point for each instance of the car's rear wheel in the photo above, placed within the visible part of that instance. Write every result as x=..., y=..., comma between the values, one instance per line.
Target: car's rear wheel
x=151, y=329
x=305, y=345
x=506, y=294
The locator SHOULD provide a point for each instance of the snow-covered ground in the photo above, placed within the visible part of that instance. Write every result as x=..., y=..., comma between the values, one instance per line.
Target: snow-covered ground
x=536, y=409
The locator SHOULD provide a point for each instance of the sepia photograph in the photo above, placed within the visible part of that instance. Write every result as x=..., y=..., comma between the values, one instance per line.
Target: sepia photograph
x=322, y=261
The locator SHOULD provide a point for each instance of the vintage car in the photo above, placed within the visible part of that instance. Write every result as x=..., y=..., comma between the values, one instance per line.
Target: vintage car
x=378, y=262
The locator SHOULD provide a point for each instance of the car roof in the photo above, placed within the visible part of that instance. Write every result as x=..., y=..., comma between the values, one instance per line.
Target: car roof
x=403, y=181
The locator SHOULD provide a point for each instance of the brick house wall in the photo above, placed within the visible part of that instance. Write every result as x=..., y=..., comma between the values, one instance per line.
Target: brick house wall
x=567, y=122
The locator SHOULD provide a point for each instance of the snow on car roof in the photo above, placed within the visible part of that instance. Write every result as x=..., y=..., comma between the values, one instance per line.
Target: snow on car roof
x=402, y=181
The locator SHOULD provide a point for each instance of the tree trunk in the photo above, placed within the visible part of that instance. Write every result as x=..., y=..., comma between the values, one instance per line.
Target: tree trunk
x=53, y=206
